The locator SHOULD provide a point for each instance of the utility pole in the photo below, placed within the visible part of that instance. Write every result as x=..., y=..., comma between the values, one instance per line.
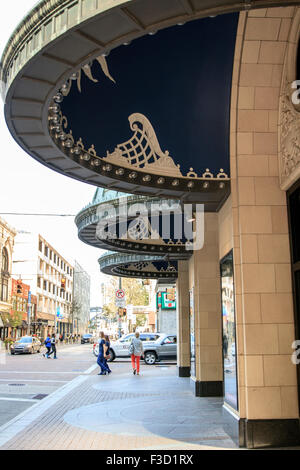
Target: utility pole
x=29, y=314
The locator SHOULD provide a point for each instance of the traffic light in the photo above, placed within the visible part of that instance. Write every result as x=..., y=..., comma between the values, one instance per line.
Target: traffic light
x=63, y=284
x=122, y=312
x=19, y=286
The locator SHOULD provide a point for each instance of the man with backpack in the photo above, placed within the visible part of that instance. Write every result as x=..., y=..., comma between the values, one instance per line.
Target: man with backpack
x=53, y=346
x=47, y=343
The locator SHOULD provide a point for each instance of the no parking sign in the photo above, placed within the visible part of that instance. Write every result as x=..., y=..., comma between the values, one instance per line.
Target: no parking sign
x=120, y=294
x=120, y=298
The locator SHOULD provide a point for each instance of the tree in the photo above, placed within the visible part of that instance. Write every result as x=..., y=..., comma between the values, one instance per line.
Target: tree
x=15, y=320
x=140, y=320
x=109, y=311
x=135, y=291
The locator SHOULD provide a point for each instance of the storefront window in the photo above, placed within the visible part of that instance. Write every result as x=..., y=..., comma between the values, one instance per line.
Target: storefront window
x=229, y=332
x=192, y=332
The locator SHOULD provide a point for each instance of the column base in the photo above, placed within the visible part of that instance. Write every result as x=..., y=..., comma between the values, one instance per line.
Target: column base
x=260, y=433
x=208, y=389
x=184, y=371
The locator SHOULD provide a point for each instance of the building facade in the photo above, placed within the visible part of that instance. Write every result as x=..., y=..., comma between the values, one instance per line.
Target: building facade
x=19, y=313
x=7, y=236
x=50, y=277
x=80, y=308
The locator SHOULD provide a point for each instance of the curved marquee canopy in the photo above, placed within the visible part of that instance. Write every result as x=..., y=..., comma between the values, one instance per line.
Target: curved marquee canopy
x=122, y=223
x=61, y=38
x=136, y=266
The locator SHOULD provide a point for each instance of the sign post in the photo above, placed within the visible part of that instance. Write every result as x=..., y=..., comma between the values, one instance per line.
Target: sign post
x=120, y=302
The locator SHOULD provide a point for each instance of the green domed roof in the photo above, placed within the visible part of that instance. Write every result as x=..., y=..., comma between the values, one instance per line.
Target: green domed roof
x=102, y=195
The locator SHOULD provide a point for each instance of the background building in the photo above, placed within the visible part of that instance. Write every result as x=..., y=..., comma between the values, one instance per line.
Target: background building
x=7, y=236
x=80, y=307
x=50, y=277
x=19, y=310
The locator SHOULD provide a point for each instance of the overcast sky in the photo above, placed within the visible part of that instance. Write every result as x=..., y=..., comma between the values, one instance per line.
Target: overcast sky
x=27, y=186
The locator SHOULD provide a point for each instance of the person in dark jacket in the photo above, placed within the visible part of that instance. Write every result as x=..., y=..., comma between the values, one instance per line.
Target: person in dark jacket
x=106, y=348
x=47, y=343
x=53, y=347
x=101, y=359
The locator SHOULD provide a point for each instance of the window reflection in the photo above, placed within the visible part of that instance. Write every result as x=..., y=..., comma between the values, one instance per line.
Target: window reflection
x=229, y=332
x=192, y=332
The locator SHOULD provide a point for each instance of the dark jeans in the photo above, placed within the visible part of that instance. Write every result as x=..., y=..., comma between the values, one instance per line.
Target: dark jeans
x=107, y=365
x=101, y=361
x=48, y=350
x=53, y=350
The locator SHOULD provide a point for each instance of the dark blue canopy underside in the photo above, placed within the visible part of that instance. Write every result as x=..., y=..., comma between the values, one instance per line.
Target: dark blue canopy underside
x=180, y=79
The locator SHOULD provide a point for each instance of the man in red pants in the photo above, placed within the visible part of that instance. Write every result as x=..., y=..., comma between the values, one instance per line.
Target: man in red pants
x=136, y=350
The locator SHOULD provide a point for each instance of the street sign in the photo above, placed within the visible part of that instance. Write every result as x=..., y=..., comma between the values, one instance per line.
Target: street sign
x=120, y=302
x=120, y=294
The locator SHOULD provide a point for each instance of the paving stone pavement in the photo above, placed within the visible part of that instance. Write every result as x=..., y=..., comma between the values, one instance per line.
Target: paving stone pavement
x=156, y=410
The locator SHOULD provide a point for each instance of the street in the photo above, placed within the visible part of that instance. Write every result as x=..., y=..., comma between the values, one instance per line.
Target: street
x=156, y=410
x=26, y=379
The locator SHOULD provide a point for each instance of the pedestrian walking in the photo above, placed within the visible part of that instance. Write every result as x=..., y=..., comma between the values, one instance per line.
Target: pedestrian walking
x=53, y=347
x=47, y=343
x=101, y=359
x=136, y=350
x=106, y=348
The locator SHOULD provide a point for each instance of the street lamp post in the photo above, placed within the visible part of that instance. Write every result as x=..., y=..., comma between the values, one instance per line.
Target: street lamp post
x=119, y=320
x=29, y=314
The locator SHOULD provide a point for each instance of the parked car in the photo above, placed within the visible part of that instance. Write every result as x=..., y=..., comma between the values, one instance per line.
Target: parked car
x=88, y=338
x=157, y=346
x=26, y=344
x=165, y=347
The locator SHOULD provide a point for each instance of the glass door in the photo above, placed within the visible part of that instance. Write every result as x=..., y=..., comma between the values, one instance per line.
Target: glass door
x=229, y=332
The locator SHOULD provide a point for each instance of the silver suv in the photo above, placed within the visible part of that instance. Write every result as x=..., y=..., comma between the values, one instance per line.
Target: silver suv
x=165, y=347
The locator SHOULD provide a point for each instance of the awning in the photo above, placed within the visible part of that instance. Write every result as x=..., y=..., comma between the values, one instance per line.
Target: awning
x=45, y=316
x=64, y=320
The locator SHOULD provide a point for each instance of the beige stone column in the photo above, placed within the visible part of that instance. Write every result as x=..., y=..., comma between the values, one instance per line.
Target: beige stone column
x=183, y=320
x=267, y=382
x=207, y=308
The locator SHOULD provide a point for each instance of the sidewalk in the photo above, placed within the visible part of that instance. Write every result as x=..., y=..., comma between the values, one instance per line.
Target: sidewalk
x=156, y=410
